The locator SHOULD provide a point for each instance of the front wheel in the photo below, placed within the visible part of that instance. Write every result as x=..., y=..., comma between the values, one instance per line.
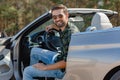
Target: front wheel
x=116, y=76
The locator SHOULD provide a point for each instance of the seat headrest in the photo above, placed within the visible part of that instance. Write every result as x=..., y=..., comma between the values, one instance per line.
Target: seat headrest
x=101, y=21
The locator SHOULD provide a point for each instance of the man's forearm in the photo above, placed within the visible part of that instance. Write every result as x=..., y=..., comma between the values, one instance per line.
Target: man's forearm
x=58, y=65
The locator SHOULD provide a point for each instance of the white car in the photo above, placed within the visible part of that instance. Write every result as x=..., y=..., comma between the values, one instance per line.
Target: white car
x=94, y=52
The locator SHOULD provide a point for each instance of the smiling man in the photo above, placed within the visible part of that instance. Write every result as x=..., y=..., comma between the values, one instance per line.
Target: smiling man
x=57, y=68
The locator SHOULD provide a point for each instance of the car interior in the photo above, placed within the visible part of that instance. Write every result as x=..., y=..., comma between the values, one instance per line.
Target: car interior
x=38, y=37
x=100, y=21
x=6, y=67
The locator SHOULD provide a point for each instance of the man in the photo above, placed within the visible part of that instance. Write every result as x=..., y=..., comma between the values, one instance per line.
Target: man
x=50, y=68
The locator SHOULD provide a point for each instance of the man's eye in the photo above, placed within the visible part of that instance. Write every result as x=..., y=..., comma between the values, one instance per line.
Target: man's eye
x=54, y=17
x=60, y=16
x=57, y=16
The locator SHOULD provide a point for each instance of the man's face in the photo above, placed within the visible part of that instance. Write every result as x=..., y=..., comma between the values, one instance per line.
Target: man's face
x=60, y=18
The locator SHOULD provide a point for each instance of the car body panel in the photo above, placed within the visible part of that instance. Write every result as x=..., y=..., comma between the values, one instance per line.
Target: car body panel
x=93, y=54
x=16, y=60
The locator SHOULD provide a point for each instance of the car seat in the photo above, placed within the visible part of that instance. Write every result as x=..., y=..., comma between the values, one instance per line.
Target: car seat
x=101, y=21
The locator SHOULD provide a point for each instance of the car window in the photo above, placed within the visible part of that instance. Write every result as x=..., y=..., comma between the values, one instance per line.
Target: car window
x=42, y=27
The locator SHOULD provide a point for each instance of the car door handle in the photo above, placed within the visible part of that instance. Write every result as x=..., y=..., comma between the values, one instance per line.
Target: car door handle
x=1, y=56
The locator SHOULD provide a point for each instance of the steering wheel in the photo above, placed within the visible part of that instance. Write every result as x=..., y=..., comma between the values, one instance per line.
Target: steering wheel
x=52, y=40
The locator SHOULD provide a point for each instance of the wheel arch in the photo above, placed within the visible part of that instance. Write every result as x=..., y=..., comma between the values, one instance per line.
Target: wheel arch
x=111, y=73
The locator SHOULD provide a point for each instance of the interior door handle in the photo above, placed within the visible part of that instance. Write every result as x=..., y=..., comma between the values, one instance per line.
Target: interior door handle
x=1, y=56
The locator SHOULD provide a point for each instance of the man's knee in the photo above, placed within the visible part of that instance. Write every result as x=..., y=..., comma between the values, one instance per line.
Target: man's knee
x=27, y=70
x=34, y=51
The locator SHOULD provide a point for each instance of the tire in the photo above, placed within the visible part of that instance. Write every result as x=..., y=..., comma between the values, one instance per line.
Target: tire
x=116, y=76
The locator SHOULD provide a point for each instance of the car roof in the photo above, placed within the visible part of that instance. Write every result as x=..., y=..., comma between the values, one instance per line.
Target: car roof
x=90, y=10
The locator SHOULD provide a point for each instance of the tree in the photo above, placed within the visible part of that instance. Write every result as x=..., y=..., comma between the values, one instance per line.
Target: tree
x=15, y=14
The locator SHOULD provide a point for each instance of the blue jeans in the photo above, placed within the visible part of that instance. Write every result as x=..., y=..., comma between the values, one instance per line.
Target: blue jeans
x=45, y=56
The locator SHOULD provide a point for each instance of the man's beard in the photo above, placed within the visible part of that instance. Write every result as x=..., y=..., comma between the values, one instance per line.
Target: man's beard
x=62, y=24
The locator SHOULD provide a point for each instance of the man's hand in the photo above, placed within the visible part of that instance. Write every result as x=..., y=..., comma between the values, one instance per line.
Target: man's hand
x=51, y=26
x=40, y=66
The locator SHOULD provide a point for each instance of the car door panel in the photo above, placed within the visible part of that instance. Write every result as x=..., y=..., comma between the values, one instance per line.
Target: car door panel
x=6, y=66
x=89, y=51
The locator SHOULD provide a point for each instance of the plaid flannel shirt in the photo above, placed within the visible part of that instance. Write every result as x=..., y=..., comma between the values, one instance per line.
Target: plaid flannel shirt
x=65, y=38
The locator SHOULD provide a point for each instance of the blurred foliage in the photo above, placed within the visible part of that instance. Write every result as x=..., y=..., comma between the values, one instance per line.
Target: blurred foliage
x=15, y=14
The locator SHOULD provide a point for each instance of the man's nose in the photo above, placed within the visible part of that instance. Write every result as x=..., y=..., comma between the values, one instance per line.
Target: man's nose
x=57, y=19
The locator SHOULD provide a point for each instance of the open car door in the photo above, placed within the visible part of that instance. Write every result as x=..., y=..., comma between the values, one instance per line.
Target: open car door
x=6, y=67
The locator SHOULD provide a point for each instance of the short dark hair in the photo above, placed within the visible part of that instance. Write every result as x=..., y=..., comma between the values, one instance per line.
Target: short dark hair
x=60, y=6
